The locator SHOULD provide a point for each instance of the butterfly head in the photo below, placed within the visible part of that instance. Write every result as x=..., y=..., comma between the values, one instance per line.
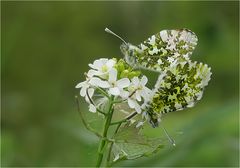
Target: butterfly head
x=128, y=51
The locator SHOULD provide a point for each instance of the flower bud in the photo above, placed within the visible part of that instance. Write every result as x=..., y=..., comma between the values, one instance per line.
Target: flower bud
x=124, y=74
x=134, y=74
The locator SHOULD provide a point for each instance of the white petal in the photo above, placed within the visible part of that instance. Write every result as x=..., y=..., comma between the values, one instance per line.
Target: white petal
x=92, y=108
x=124, y=94
x=94, y=81
x=124, y=82
x=112, y=75
x=144, y=80
x=83, y=91
x=92, y=72
x=114, y=91
x=145, y=95
x=110, y=63
x=147, y=90
x=97, y=64
x=138, y=108
x=91, y=66
x=80, y=84
x=103, y=60
x=138, y=95
x=131, y=103
x=90, y=92
x=135, y=80
x=98, y=82
x=103, y=84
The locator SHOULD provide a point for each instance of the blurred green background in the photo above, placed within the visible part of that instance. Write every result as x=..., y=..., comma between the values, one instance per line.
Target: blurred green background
x=46, y=48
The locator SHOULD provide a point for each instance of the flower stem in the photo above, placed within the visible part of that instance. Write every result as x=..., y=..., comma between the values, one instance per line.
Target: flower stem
x=125, y=119
x=103, y=141
x=108, y=164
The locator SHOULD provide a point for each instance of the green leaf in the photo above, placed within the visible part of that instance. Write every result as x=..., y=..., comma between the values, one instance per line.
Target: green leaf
x=130, y=144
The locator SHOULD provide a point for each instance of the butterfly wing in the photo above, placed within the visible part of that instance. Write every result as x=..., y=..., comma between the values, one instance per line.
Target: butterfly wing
x=180, y=86
x=162, y=49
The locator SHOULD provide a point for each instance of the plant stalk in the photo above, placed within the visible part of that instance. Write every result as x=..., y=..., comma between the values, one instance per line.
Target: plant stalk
x=103, y=141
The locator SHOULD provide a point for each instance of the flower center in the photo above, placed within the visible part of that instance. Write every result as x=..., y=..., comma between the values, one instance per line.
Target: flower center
x=104, y=68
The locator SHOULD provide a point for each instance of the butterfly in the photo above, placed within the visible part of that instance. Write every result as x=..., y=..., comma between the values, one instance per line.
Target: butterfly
x=181, y=81
x=159, y=50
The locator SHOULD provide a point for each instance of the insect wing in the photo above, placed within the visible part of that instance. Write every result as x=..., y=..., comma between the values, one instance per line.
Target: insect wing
x=163, y=48
x=178, y=88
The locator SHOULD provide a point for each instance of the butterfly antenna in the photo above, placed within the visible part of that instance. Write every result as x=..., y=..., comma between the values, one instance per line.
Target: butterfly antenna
x=110, y=32
x=168, y=136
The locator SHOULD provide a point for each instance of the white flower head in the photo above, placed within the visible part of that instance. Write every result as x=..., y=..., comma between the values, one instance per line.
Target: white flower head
x=138, y=90
x=138, y=86
x=116, y=86
x=101, y=67
x=132, y=103
x=86, y=90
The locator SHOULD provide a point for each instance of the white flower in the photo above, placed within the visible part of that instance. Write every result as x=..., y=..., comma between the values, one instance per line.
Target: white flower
x=99, y=83
x=87, y=87
x=116, y=86
x=138, y=86
x=101, y=67
x=132, y=103
x=138, y=90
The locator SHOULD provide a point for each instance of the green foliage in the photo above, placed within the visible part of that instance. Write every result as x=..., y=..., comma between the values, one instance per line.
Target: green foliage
x=131, y=144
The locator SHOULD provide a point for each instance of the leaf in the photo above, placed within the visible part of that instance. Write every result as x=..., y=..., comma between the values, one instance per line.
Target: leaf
x=130, y=144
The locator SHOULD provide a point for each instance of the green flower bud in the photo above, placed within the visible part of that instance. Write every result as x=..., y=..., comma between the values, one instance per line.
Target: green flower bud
x=124, y=74
x=134, y=74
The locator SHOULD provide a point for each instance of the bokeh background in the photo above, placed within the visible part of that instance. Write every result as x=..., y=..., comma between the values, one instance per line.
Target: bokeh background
x=46, y=48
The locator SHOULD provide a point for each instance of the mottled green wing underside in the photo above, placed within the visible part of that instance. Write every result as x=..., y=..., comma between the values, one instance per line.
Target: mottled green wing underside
x=179, y=87
x=163, y=48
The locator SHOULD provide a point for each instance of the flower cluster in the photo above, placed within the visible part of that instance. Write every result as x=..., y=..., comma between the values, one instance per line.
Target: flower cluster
x=114, y=79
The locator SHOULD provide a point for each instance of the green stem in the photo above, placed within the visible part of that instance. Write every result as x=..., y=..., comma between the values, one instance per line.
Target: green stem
x=108, y=164
x=104, y=135
x=125, y=119
x=103, y=92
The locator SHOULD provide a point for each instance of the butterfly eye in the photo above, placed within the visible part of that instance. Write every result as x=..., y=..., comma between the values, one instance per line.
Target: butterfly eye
x=124, y=48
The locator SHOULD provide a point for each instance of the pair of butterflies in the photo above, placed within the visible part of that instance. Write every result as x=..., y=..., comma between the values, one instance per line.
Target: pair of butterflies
x=181, y=81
